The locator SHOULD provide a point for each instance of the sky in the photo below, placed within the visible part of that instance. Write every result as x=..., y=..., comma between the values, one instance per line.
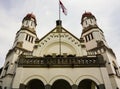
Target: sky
x=12, y=12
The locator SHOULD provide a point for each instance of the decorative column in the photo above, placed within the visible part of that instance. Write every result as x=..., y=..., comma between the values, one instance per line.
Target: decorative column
x=22, y=86
x=101, y=86
x=47, y=86
x=74, y=86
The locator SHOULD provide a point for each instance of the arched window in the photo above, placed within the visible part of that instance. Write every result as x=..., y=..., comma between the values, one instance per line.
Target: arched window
x=32, y=24
x=91, y=20
x=26, y=37
x=86, y=22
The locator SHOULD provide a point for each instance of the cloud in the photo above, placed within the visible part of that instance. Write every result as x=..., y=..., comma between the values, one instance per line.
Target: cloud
x=46, y=11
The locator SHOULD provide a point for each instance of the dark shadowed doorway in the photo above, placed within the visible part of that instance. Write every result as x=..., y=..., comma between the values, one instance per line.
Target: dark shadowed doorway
x=61, y=84
x=35, y=84
x=87, y=84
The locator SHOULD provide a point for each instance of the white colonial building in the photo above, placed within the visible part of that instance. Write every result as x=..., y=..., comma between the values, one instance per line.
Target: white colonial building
x=60, y=60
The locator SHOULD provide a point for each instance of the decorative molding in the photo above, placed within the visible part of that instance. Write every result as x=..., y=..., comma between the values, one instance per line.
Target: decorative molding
x=63, y=62
x=69, y=80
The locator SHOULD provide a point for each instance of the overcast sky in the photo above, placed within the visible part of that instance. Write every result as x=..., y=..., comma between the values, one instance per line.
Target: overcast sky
x=107, y=13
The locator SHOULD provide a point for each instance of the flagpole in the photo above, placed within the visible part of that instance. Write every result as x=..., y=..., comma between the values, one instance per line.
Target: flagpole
x=61, y=6
x=59, y=11
x=59, y=29
x=60, y=42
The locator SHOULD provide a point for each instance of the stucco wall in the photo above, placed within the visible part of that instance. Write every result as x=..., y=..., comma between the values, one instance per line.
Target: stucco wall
x=72, y=75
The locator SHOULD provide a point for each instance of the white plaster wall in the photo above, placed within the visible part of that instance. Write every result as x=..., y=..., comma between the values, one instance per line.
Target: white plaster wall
x=72, y=75
x=11, y=59
x=91, y=44
x=109, y=59
x=21, y=38
x=118, y=82
x=7, y=82
x=115, y=81
x=105, y=78
x=97, y=35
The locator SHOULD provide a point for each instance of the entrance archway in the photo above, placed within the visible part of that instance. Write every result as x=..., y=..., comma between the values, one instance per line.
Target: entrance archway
x=61, y=84
x=87, y=84
x=35, y=84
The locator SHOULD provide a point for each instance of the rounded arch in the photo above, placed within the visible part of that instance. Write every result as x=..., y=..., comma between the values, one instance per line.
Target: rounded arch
x=53, y=47
x=89, y=77
x=35, y=77
x=61, y=77
x=61, y=84
x=35, y=84
x=87, y=84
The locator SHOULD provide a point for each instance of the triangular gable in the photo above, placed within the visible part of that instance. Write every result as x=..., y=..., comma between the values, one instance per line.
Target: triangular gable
x=51, y=42
x=63, y=31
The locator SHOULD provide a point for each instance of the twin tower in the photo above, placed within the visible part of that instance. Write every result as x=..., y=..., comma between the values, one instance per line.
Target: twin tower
x=60, y=60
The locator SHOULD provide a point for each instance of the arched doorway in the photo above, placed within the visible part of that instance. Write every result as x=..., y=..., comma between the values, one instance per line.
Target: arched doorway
x=61, y=84
x=35, y=84
x=87, y=84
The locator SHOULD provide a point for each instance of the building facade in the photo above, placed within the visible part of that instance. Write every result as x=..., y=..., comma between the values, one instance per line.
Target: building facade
x=60, y=60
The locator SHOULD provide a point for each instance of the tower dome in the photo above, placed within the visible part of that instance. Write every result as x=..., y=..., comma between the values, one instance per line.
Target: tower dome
x=88, y=20
x=87, y=15
x=30, y=16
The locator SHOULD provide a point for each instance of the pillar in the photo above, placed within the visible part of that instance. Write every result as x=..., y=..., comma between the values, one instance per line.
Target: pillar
x=101, y=86
x=74, y=86
x=47, y=86
x=22, y=86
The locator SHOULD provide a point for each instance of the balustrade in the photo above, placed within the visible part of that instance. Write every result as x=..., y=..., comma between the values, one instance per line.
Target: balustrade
x=61, y=61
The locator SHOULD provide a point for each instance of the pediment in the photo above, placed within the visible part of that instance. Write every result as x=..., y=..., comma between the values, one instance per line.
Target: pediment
x=59, y=39
x=59, y=32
